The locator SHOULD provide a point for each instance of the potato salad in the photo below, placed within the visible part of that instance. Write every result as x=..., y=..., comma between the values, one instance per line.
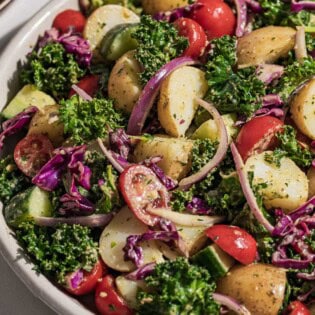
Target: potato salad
x=159, y=156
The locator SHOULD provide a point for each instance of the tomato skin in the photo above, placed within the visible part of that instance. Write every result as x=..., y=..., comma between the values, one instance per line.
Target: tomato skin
x=216, y=18
x=297, y=308
x=69, y=20
x=235, y=241
x=32, y=152
x=88, y=84
x=107, y=300
x=195, y=34
x=141, y=189
x=89, y=280
x=257, y=135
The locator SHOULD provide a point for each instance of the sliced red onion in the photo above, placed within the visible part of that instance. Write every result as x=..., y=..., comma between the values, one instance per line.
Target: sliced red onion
x=268, y=72
x=297, y=6
x=241, y=10
x=141, y=273
x=300, y=44
x=74, y=279
x=110, y=156
x=81, y=93
x=276, y=112
x=247, y=190
x=231, y=304
x=254, y=6
x=93, y=221
x=150, y=91
x=221, y=151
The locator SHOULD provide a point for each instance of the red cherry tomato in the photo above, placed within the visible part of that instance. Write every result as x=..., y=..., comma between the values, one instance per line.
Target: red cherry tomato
x=257, y=135
x=195, y=34
x=297, y=308
x=89, y=280
x=107, y=300
x=142, y=189
x=69, y=20
x=216, y=18
x=32, y=152
x=235, y=241
x=88, y=84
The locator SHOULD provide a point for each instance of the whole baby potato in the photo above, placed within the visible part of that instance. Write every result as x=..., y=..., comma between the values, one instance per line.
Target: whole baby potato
x=154, y=6
x=124, y=86
x=260, y=287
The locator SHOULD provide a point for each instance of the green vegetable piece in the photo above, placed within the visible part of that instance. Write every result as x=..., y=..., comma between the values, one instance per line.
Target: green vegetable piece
x=27, y=205
x=215, y=260
x=29, y=95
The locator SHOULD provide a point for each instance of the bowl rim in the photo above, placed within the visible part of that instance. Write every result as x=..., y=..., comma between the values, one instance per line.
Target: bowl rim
x=13, y=53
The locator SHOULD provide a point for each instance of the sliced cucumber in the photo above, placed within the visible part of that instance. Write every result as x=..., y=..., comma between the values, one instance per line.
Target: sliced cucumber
x=29, y=204
x=29, y=95
x=215, y=260
x=118, y=41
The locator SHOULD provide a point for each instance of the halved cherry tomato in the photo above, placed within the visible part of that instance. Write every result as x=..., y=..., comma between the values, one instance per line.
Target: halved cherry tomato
x=216, y=18
x=107, y=300
x=257, y=135
x=297, y=308
x=235, y=241
x=69, y=20
x=89, y=280
x=88, y=84
x=32, y=152
x=142, y=189
x=195, y=34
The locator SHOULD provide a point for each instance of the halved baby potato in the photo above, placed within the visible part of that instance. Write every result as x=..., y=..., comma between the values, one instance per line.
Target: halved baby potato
x=286, y=186
x=177, y=103
x=303, y=109
x=311, y=182
x=265, y=45
x=155, y=6
x=124, y=85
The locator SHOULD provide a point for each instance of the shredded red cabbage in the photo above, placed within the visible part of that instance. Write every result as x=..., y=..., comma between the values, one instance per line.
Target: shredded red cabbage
x=198, y=206
x=268, y=72
x=74, y=279
x=141, y=273
x=297, y=6
x=241, y=9
x=17, y=123
x=120, y=142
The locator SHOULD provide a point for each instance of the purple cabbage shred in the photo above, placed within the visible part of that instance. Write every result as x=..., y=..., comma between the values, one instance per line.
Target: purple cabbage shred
x=198, y=206
x=120, y=142
x=297, y=6
x=142, y=272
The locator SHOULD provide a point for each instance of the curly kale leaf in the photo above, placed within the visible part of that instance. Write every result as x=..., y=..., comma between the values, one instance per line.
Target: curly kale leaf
x=278, y=12
x=232, y=91
x=88, y=120
x=52, y=70
x=158, y=43
x=133, y=5
x=58, y=252
x=177, y=287
x=12, y=181
x=290, y=147
x=294, y=75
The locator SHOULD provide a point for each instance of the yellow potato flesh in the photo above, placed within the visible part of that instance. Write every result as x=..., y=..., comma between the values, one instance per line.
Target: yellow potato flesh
x=154, y=6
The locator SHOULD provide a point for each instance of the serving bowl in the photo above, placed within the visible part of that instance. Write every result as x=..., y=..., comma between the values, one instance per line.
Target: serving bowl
x=11, y=60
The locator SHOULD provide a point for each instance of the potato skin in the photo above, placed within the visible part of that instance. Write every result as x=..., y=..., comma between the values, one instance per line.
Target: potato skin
x=124, y=85
x=154, y=6
x=176, y=154
x=260, y=287
x=265, y=45
x=311, y=182
x=46, y=121
x=303, y=109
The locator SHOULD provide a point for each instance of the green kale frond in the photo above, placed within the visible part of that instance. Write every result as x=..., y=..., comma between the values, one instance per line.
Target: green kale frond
x=12, y=180
x=158, y=43
x=87, y=120
x=231, y=90
x=133, y=5
x=177, y=287
x=278, y=12
x=58, y=252
x=291, y=148
x=52, y=70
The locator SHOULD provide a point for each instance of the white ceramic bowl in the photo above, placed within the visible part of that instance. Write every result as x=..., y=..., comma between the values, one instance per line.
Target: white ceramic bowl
x=10, y=62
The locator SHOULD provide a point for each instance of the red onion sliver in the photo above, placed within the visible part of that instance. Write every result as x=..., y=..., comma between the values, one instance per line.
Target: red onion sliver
x=297, y=6
x=300, y=44
x=94, y=220
x=150, y=91
x=221, y=151
x=81, y=93
x=110, y=156
x=248, y=193
x=269, y=72
x=241, y=9
x=231, y=304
